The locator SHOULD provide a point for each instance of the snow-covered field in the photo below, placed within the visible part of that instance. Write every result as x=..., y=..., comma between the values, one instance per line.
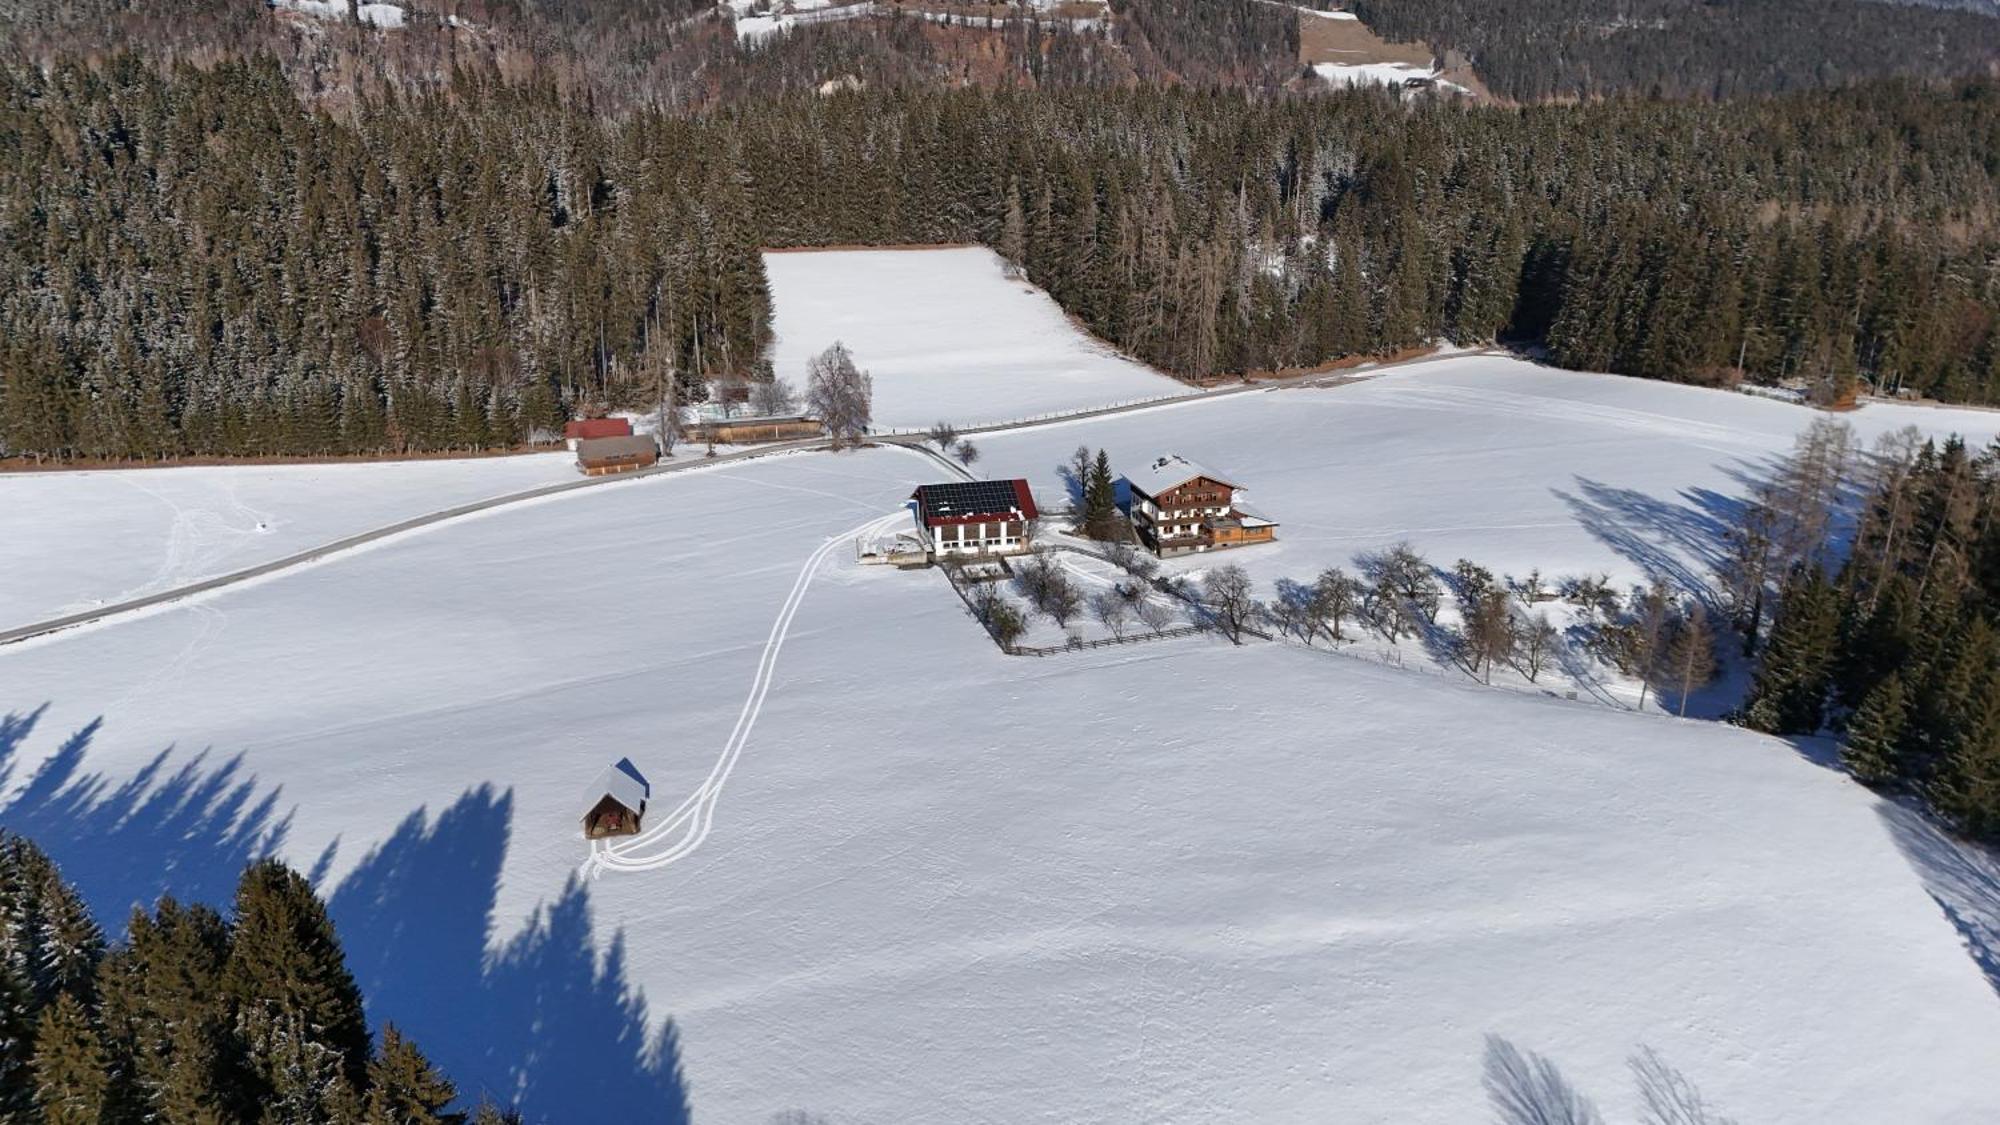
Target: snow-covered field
x=1177, y=881
x=1512, y=465
x=70, y=541
x=947, y=335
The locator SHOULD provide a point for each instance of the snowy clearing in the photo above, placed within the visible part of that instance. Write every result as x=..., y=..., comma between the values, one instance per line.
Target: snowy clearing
x=73, y=540
x=385, y=16
x=947, y=335
x=1173, y=882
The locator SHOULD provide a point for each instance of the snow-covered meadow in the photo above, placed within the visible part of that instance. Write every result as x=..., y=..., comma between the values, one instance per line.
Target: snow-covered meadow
x=70, y=541
x=73, y=540
x=946, y=335
x=1512, y=465
x=1177, y=881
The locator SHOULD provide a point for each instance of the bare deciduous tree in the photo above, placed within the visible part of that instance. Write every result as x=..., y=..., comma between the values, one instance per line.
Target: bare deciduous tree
x=1534, y=646
x=966, y=452
x=840, y=395
x=1226, y=594
x=1333, y=598
x=1112, y=611
x=943, y=435
x=1690, y=654
x=1291, y=611
x=1061, y=600
x=1489, y=630
x=1155, y=614
x=772, y=398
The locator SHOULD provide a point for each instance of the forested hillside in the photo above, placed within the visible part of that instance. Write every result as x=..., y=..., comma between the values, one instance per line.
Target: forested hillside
x=1899, y=649
x=199, y=263
x=1533, y=50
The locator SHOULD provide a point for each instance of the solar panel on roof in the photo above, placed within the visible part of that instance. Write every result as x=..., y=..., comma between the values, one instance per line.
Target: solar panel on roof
x=969, y=498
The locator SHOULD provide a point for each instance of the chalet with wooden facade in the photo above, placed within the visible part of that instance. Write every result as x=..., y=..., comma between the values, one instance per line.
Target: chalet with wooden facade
x=1179, y=508
x=975, y=519
x=615, y=803
x=596, y=457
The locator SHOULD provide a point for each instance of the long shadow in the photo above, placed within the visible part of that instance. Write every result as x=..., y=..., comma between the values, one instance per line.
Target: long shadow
x=1685, y=540
x=1528, y=1089
x=541, y=1022
x=1963, y=878
x=189, y=829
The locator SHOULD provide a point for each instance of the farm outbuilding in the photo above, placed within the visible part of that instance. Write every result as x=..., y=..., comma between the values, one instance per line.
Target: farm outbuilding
x=584, y=429
x=976, y=518
x=616, y=803
x=597, y=456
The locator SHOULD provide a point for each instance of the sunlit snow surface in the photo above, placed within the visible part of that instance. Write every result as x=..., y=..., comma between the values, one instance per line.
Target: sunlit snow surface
x=1171, y=882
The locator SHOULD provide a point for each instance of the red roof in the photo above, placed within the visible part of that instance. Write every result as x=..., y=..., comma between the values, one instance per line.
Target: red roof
x=598, y=428
x=984, y=501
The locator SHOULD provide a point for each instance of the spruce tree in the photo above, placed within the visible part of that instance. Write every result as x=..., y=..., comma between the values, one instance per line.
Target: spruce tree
x=1873, y=750
x=1789, y=694
x=1100, y=500
x=166, y=1016
x=297, y=1008
x=403, y=1087
x=70, y=1066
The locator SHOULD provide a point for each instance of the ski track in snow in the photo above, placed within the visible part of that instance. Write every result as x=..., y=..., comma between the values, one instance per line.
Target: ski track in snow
x=691, y=821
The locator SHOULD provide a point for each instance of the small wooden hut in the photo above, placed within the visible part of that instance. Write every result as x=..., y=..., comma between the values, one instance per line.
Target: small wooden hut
x=615, y=804
x=597, y=456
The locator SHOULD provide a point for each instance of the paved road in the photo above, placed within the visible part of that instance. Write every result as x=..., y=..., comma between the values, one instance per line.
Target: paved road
x=908, y=441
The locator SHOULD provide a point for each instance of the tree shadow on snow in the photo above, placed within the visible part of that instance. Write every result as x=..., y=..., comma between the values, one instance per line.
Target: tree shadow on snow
x=541, y=1021
x=1684, y=541
x=1527, y=1089
x=1962, y=877
x=189, y=829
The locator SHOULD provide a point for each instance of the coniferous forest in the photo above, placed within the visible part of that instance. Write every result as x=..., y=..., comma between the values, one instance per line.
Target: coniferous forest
x=197, y=260
x=193, y=1016
x=1898, y=648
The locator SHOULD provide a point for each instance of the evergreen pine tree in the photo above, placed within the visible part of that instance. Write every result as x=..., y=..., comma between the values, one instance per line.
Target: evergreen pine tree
x=71, y=1079
x=403, y=1087
x=1872, y=752
x=297, y=1008
x=1100, y=500
x=1789, y=694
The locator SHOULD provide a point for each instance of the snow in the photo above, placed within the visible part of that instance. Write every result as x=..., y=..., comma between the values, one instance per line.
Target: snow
x=946, y=335
x=375, y=15
x=1380, y=74
x=1177, y=881
x=73, y=540
x=894, y=875
x=752, y=28
x=1510, y=464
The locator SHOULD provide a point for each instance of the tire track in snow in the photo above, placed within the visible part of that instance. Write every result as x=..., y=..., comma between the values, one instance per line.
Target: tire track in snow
x=684, y=829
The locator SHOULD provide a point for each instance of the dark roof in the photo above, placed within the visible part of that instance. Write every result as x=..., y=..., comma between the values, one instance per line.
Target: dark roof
x=973, y=501
x=614, y=448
